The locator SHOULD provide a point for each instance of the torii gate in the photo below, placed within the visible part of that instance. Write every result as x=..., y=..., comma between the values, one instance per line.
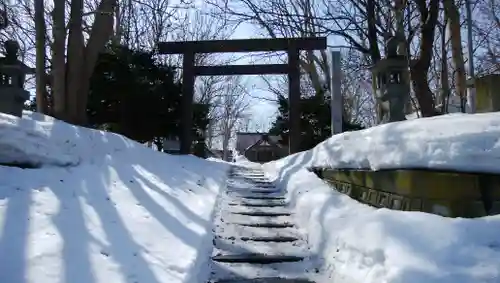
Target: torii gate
x=292, y=69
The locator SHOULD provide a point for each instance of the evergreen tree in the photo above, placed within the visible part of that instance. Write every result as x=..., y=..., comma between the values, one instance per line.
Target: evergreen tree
x=134, y=95
x=315, y=121
x=138, y=97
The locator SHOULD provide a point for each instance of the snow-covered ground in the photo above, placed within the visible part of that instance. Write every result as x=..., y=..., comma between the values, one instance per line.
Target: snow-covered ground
x=100, y=207
x=360, y=244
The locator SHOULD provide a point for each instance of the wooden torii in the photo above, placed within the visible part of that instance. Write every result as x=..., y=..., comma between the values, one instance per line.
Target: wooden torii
x=292, y=69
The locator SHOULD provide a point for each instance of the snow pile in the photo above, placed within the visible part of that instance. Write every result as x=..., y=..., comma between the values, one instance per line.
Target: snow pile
x=40, y=140
x=121, y=213
x=357, y=243
x=454, y=141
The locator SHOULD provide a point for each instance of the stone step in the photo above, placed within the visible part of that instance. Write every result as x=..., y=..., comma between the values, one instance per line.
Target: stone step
x=256, y=258
x=253, y=189
x=255, y=195
x=296, y=270
x=245, y=169
x=235, y=245
x=270, y=239
x=256, y=179
x=262, y=213
x=240, y=185
x=268, y=192
x=263, y=280
x=268, y=225
x=239, y=216
x=238, y=190
x=261, y=204
x=251, y=176
x=262, y=183
x=256, y=192
x=262, y=197
x=232, y=230
x=271, y=186
x=243, y=210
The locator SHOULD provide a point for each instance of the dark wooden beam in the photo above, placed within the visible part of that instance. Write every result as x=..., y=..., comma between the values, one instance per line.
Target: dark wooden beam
x=186, y=135
x=242, y=45
x=241, y=70
x=294, y=111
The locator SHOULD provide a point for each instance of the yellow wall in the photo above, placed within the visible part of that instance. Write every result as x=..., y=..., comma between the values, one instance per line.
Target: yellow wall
x=487, y=93
x=445, y=193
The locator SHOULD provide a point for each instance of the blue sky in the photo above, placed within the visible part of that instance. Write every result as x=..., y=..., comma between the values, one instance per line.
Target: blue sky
x=262, y=111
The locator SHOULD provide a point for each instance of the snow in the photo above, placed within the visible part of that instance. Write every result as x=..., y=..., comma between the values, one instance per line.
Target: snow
x=454, y=106
x=356, y=243
x=455, y=141
x=100, y=207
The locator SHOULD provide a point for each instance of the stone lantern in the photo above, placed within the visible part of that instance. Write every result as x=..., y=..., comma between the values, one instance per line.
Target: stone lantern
x=12, y=76
x=392, y=92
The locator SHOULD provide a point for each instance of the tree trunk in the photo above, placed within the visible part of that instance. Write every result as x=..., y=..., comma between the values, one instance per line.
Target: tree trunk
x=41, y=78
x=210, y=133
x=372, y=31
x=58, y=61
x=453, y=16
x=117, y=37
x=75, y=60
x=424, y=94
x=420, y=68
x=374, y=50
x=102, y=30
x=225, y=140
x=82, y=59
x=71, y=81
x=445, y=84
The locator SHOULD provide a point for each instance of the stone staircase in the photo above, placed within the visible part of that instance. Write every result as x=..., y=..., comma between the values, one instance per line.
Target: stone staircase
x=255, y=238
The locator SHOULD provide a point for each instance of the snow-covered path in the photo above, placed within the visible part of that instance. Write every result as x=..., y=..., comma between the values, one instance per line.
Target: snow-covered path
x=255, y=238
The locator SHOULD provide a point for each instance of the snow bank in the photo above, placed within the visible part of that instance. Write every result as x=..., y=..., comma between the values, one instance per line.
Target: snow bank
x=125, y=213
x=454, y=141
x=40, y=140
x=356, y=243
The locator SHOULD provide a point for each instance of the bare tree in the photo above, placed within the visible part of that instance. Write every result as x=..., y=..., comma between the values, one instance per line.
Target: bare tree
x=72, y=65
x=282, y=19
x=363, y=24
x=41, y=83
x=487, y=34
x=453, y=19
x=233, y=108
x=445, y=83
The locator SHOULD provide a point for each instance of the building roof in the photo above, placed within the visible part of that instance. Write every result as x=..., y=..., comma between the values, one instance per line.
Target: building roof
x=265, y=140
x=245, y=139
